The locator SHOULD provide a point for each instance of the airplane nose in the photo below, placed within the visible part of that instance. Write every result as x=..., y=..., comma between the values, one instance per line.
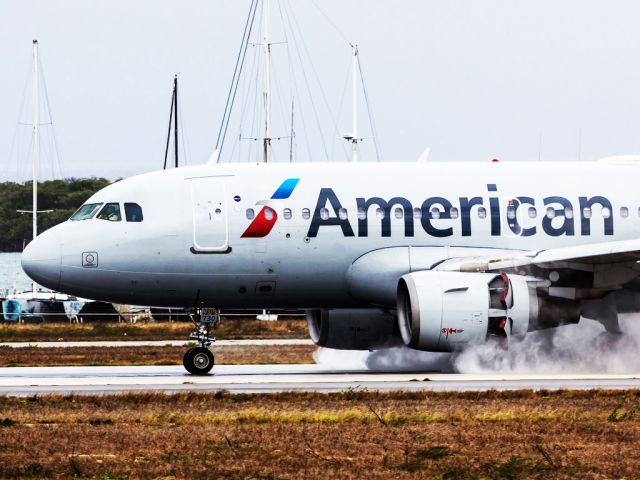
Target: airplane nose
x=41, y=260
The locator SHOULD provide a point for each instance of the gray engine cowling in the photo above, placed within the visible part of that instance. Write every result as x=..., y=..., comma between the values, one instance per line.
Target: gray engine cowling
x=353, y=329
x=445, y=311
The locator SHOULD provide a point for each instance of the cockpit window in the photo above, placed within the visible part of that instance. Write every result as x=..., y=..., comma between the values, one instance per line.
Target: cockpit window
x=133, y=212
x=86, y=212
x=111, y=212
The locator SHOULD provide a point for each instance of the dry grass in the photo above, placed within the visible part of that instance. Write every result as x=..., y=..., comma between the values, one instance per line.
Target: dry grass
x=228, y=329
x=41, y=357
x=492, y=435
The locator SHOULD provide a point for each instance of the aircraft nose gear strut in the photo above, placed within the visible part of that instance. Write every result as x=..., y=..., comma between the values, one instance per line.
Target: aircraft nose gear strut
x=199, y=360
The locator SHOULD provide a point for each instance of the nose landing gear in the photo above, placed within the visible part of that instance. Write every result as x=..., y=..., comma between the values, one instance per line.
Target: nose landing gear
x=199, y=360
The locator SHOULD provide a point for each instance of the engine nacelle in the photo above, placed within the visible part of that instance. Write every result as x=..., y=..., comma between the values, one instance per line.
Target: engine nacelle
x=353, y=329
x=445, y=311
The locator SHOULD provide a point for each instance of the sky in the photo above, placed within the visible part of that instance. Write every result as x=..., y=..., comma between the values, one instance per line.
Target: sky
x=472, y=80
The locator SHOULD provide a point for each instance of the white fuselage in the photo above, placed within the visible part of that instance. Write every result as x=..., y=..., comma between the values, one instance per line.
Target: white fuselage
x=199, y=245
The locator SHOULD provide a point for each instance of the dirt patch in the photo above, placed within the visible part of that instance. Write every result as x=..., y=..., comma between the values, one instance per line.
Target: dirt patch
x=69, y=356
x=497, y=435
x=228, y=329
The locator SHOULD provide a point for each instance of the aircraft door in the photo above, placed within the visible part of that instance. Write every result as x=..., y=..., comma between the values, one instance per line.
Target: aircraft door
x=210, y=224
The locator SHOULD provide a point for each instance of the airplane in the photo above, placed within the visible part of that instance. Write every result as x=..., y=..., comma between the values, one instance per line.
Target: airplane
x=432, y=255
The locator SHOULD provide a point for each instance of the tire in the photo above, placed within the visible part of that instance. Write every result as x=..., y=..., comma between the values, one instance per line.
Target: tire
x=198, y=361
x=186, y=359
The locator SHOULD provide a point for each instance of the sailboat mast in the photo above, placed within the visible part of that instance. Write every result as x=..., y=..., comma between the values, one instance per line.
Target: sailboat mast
x=354, y=104
x=293, y=133
x=267, y=80
x=175, y=119
x=35, y=144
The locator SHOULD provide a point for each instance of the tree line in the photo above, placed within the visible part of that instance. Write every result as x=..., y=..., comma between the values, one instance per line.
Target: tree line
x=63, y=197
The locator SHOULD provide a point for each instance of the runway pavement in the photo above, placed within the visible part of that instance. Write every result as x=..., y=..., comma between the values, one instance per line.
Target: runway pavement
x=157, y=343
x=25, y=381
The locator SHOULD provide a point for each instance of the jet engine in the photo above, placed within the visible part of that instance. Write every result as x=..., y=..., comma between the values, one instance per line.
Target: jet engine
x=353, y=329
x=445, y=311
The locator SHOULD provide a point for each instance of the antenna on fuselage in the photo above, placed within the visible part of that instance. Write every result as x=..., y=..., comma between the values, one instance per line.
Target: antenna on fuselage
x=213, y=159
x=540, y=147
x=424, y=157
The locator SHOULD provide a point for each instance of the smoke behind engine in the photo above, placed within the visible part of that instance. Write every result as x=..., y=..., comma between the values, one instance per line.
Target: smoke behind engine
x=576, y=348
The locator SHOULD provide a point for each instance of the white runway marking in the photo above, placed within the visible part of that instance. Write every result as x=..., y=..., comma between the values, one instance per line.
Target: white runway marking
x=275, y=378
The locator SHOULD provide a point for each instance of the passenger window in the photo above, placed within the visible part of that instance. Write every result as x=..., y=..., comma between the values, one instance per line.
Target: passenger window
x=435, y=213
x=268, y=213
x=511, y=212
x=533, y=213
x=324, y=214
x=306, y=213
x=286, y=213
x=132, y=212
x=586, y=212
x=551, y=212
x=417, y=213
x=568, y=212
x=362, y=214
x=342, y=213
x=399, y=212
x=250, y=214
x=379, y=213
x=111, y=212
x=624, y=212
x=606, y=213
x=482, y=212
x=86, y=212
x=453, y=213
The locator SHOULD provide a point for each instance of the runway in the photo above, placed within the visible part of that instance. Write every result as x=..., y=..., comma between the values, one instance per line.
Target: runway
x=157, y=343
x=26, y=381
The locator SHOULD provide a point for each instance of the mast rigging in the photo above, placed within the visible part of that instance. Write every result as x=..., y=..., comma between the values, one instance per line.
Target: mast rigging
x=173, y=119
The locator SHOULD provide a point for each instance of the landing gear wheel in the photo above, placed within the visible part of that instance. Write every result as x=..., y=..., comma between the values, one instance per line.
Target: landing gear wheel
x=185, y=359
x=198, y=360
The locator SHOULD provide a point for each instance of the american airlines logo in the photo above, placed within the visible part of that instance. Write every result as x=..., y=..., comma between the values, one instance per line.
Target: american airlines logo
x=267, y=217
x=558, y=219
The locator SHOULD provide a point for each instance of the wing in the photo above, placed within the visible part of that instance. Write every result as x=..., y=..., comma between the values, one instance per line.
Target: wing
x=598, y=268
x=606, y=253
x=600, y=278
x=595, y=254
x=605, y=266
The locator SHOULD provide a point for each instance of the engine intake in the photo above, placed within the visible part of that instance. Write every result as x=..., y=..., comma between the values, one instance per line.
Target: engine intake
x=445, y=311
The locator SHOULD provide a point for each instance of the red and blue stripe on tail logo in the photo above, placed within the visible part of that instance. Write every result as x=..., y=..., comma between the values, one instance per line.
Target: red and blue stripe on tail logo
x=267, y=217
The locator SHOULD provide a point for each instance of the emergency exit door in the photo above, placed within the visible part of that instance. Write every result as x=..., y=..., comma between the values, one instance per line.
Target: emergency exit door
x=210, y=228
